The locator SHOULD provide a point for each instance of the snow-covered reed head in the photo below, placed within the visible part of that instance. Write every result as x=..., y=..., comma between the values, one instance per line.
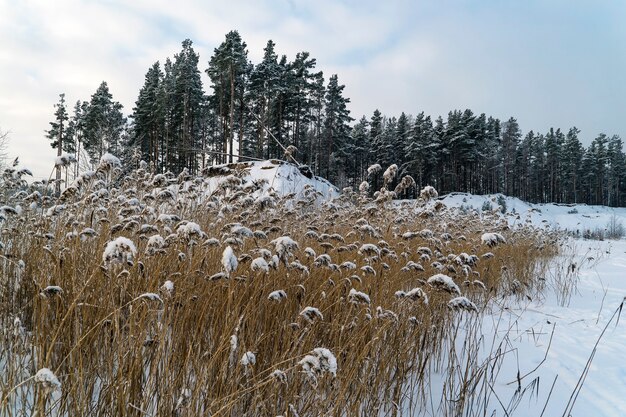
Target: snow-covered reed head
x=374, y=169
x=428, y=193
x=64, y=160
x=229, y=260
x=390, y=173
x=108, y=162
x=120, y=250
x=47, y=380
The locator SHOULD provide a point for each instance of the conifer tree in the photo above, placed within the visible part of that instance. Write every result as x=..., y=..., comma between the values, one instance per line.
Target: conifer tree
x=104, y=124
x=336, y=128
x=229, y=70
x=149, y=117
x=58, y=134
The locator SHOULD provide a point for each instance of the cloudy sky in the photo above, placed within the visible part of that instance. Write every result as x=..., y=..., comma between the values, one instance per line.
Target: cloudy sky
x=546, y=62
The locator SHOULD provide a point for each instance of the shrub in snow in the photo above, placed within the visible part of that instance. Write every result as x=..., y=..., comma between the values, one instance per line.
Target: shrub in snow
x=151, y=297
x=479, y=284
x=317, y=362
x=462, y=303
x=347, y=265
x=155, y=243
x=444, y=282
x=364, y=187
x=415, y=294
x=357, y=297
x=369, y=249
x=385, y=314
x=168, y=288
x=322, y=260
x=189, y=229
x=328, y=361
x=368, y=270
x=120, y=250
x=241, y=231
x=109, y=161
x=406, y=183
x=298, y=266
x=64, y=160
x=492, y=239
x=412, y=266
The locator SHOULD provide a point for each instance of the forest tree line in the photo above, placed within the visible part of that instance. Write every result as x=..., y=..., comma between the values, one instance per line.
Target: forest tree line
x=258, y=110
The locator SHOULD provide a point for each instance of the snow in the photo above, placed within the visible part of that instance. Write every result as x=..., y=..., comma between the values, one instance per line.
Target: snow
x=444, y=282
x=47, y=379
x=277, y=295
x=109, y=161
x=248, y=359
x=549, y=340
x=311, y=313
x=280, y=177
x=575, y=218
x=119, y=250
x=229, y=260
x=358, y=297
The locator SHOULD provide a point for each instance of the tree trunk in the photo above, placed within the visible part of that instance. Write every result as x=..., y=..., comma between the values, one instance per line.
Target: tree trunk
x=232, y=114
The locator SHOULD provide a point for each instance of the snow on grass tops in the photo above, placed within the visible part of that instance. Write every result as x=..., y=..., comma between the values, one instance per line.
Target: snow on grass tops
x=445, y=283
x=229, y=260
x=492, y=239
x=48, y=380
x=120, y=250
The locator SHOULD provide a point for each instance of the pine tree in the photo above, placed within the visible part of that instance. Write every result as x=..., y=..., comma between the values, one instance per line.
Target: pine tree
x=421, y=151
x=149, y=117
x=511, y=135
x=336, y=129
x=104, y=124
x=58, y=134
x=229, y=70
x=572, y=161
x=186, y=113
x=616, y=171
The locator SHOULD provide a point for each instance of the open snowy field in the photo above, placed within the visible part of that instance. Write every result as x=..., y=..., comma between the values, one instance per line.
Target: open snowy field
x=541, y=350
x=564, y=332
x=575, y=218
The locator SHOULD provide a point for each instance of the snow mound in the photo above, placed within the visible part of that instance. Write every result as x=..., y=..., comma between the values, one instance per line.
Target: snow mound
x=274, y=177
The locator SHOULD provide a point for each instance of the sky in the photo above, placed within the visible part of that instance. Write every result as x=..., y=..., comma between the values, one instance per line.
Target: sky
x=548, y=63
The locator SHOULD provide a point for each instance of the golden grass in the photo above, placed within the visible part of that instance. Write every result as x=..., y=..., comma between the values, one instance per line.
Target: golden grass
x=118, y=353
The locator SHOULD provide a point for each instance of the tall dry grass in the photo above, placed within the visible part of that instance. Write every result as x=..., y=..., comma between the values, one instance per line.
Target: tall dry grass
x=122, y=342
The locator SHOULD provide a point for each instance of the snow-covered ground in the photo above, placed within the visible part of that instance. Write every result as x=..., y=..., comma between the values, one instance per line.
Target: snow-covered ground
x=564, y=333
x=572, y=217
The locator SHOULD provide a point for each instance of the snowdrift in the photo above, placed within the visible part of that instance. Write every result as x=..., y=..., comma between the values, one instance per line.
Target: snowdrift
x=280, y=177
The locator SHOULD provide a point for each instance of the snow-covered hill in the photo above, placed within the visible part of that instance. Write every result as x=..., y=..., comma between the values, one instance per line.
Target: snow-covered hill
x=576, y=218
x=280, y=177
